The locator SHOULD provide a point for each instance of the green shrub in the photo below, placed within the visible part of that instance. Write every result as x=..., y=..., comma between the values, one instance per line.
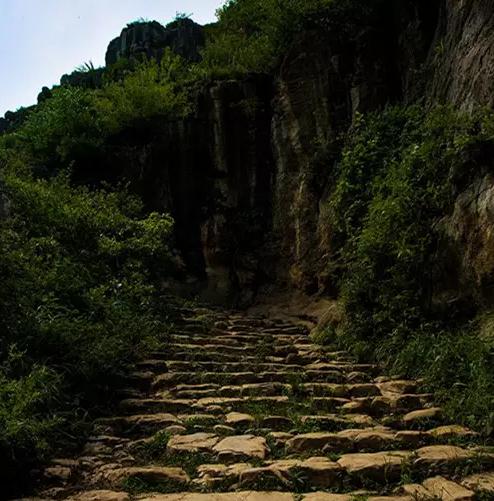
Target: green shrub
x=399, y=173
x=151, y=89
x=253, y=35
x=457, y=365
x=78, y=304
x=61, y=126
x=76, y=121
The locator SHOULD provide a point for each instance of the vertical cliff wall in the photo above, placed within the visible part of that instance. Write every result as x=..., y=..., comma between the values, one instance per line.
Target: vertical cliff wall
x=243, y=177
x=425, y=52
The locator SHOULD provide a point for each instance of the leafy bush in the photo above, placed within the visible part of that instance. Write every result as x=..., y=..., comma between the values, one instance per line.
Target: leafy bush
x=75, y=121
x=151, y=89
x=399, y=174
x=252, y=35
x=26, y=420
x=78, y=302
x=61, y=126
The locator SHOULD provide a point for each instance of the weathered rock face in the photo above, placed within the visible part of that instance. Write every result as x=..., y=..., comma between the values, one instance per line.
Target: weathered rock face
x=150, y=39
x=433, y=52
x=4, y=125
x=213, y=172
x=462, y=55
x=322, y=83
x=466, y=275
x=242, y=177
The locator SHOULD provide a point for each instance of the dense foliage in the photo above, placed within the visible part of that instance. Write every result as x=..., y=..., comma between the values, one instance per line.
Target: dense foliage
x=79, y=267
x=253, y=35
x=77, y=120
x=77, y=302
x=400, y=172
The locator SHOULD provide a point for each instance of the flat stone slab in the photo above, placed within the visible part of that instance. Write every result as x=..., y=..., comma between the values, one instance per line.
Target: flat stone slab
x=239, y=419
x=212, y=475
x=241, y=446
x=370, y=439
x=451, y=431
x=325, y=496
x=197, y=442
x=319, y=472
x=440, y=455
x=446, y=490
x=150, y=475
x=399, y=387
x=379, y=466
x=481, y=482
x=422, y=415
x=338, y=421
x=416, y=491
x=316, y=441
x=101, y=495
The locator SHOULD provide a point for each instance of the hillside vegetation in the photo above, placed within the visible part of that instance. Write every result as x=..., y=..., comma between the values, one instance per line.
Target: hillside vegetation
x=81, y=266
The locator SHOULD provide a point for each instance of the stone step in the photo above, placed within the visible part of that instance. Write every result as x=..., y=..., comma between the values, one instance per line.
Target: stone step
x=247, y=349
x=272, y=387
x=219, y=405
x=151, y=476
x=335, y=372
x=383, y=468
x=144, y=425
x=208, y=356
x=230, y=337
x=298, y=379
x=343, y=366
x=230, y=450
x=355, y=440
x=137, y=425
x=267, y=327
x=438, y=488
x=283, y=351
x=391, y=404
x=481, y=483
x=184, y=366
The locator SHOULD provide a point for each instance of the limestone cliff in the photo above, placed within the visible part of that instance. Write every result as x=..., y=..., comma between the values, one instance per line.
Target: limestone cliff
x=242, y=178
x=432, y=52
x=150, y=39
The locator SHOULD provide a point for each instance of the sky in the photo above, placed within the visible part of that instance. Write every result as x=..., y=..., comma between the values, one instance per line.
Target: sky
x=40, y=40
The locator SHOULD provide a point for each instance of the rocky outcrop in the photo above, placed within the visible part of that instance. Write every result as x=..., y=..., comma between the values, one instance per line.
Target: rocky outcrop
x=243, y=177
x=213, y=172
x=90, y=78
x=322, y=83
x=466, y=257
x=150, y=39
x=462, y=55
x=418, y=51
x=14, y=119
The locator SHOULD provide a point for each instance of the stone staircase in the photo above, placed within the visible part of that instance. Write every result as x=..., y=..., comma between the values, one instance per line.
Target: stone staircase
x=248, y=409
